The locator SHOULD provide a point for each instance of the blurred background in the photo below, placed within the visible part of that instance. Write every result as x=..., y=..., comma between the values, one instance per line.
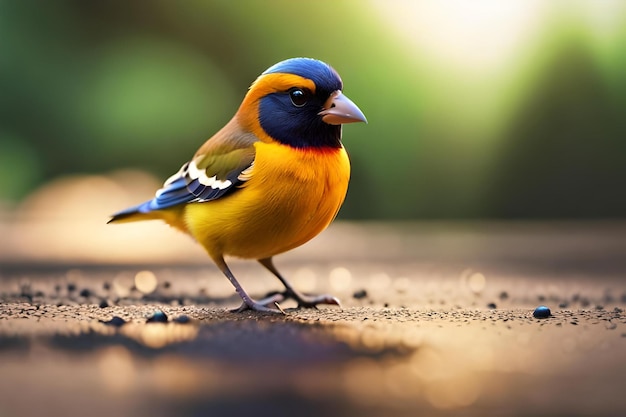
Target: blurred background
x=480, y=110
x=483, y=109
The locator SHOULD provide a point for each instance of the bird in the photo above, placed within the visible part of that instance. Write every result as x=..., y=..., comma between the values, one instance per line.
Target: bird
x=270, y=180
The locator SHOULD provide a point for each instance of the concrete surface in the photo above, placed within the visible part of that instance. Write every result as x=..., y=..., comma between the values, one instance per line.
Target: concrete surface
x=436, y=320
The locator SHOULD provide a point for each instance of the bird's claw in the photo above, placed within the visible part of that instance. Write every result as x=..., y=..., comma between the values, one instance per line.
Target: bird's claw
x=263, y=305
x=259, y=307
x=307, y=301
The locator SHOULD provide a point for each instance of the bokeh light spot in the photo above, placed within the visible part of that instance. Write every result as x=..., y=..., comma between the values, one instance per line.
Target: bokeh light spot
x=340, y=279
x=145, y=281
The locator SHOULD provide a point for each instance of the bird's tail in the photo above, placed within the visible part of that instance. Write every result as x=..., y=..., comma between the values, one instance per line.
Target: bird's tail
x=133, y=214
x=144, y=211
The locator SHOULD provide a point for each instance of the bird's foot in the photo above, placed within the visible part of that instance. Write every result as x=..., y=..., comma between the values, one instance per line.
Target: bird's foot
x=271, y=302
x=311, y=301
x=263, y=305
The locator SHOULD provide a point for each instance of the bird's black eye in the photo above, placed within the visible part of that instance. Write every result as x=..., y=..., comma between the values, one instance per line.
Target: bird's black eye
x=298, y=96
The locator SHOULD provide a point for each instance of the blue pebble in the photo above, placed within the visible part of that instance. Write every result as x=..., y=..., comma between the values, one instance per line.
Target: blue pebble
x=542, y=312
x=182, y=319
x=115, y=321
x=157, y=317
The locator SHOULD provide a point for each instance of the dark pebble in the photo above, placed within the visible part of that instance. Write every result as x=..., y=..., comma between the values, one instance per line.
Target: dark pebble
x=491, y=306
x=115, y=321
x=504, y=295
x=182, y=319
x=71, y=287
x=563, y=304
x=166, y=284
x=157, y=317
x=542, y=312
x=584, y=302
x=27, y=296
x=360, y=294
x=104, y=304
x=85, y=293
x=26, y=292
x=106, y=286
x=541, y=298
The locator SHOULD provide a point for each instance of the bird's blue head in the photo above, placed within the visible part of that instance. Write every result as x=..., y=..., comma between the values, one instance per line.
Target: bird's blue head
x=301, y=104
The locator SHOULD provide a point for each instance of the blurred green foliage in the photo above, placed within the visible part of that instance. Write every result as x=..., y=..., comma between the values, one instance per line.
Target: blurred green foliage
x=458, y=128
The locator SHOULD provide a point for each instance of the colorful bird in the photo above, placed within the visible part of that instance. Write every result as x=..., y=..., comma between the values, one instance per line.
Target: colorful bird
x=270, y=180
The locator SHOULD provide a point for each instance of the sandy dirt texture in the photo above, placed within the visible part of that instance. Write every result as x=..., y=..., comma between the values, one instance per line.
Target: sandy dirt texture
x=436, y=320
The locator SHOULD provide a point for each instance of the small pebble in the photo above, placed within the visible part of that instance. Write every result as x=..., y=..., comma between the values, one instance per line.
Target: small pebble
x=104, y=304
x=563, y=304
x=115, y=321
x=106, y=286
x=504, y=295
x=492, y=306
x=542, y=312
x=85, y=293
x=71, y=287
x=182, y=319
x=359, y=294
x=157, y=317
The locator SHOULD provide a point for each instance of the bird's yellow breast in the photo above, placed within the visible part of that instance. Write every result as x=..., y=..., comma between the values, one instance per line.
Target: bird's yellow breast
x=291, y=196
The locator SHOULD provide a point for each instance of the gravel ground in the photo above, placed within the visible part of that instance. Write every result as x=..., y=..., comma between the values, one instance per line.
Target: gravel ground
x=442, y=324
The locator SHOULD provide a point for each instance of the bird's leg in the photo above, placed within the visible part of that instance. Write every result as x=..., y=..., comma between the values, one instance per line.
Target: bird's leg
x=248, y=302
x=302, y=299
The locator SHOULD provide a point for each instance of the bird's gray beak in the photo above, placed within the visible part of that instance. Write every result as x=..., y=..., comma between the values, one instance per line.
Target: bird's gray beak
x=339, y=109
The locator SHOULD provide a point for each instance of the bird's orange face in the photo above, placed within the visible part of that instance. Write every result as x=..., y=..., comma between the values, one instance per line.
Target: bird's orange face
x=299, y=103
